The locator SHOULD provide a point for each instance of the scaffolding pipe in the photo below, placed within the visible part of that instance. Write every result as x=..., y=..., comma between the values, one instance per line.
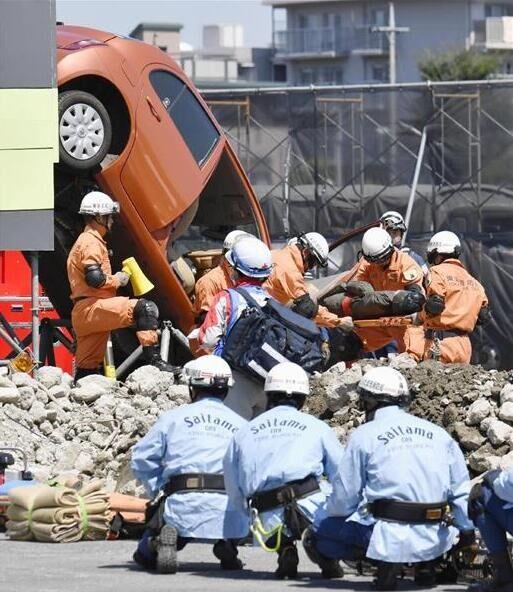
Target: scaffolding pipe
x=34, y=265
x=416, y=175
x=129, y=362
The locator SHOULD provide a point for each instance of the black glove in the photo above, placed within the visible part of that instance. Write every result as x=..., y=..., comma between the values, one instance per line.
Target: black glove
x=434, y=305
x=475, y=502
x=305, y=306
x=413, y=288
x=345, y=347
x=407, y=302
x=467, y=539
x=484, y=316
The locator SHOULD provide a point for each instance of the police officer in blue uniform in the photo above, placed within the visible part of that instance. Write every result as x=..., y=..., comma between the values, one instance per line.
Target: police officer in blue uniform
x=180, y=460
x=491, y=508
x=275, y=464
x=402, y=481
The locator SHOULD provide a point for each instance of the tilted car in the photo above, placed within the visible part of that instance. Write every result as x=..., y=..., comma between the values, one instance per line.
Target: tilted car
x=132, y=123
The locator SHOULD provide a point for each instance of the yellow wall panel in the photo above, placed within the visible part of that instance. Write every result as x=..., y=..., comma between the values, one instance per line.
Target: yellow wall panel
x=26, y=179
x=28, y=118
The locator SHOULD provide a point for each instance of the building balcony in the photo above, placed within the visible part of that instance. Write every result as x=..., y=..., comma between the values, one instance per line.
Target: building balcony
x=329, y=42
x=494, y=33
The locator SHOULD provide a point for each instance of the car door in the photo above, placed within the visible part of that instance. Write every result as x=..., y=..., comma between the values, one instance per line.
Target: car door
x=174, y=138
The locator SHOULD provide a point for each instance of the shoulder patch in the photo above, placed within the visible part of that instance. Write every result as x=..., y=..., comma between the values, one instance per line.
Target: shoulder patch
x=411, y=274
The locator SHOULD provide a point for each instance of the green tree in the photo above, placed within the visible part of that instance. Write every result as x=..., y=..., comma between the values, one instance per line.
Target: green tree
x=466, y=64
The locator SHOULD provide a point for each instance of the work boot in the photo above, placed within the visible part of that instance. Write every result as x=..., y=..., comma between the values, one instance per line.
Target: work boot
x=386, y=577
x=502, y=572
x=288, y=560
x=83, y=372
x=425, y=574
x=330, y=568
x=226, y=552
x=151, y=354
x=165, y=546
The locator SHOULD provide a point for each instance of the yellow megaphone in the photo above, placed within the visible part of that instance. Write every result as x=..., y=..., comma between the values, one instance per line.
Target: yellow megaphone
x=140, y=283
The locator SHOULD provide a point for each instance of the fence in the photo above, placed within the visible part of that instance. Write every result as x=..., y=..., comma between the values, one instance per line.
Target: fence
x=332, y=158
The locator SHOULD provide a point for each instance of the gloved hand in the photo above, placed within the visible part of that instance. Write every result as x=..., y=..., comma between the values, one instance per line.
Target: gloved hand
x=467, y=539
x=122, y=277
x=475, y=502
x=346, y=324
x=305, y=306
x=434, y=305
x=406, y=302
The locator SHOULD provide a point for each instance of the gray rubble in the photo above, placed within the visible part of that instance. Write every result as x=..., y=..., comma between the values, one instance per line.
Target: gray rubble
x=91, y=427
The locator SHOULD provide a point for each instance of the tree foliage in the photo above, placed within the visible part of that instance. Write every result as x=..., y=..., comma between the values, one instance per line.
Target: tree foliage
x=467, y=64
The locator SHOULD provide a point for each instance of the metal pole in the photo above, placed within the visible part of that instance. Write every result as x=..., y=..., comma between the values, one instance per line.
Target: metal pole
x=34, y=264
x=128, y=362
x=391, y=41
x=416, y=174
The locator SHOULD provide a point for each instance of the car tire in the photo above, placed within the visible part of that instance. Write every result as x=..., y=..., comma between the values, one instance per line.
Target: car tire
x=85, y=130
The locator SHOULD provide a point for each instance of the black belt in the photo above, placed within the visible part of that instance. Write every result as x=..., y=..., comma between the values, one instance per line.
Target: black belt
x=442, y=334
x=409, y=512
x=267, y=500
x=194, y=482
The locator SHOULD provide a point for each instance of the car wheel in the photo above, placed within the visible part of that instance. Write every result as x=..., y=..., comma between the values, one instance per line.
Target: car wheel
x=85, y=130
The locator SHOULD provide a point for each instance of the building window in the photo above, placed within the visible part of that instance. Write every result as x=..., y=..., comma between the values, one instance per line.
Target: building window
x=306, y=76
x=186, y=112
x=303, y=21
x=377, y=72
x=498, y=10
x=378, y=17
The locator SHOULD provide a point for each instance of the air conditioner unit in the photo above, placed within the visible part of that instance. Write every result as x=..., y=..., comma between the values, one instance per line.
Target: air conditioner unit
x=499, y=32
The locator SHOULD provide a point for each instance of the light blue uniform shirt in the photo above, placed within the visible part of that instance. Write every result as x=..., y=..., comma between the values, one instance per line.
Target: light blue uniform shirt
x=279, y=446
x=503, y=486
x=402, y=457
x=192, y=439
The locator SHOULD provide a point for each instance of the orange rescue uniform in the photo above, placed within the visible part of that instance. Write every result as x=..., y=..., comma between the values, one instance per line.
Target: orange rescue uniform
x=97, y=311
x=464, y=297
x=287, y=282
x=402, y=271
x=208, y=286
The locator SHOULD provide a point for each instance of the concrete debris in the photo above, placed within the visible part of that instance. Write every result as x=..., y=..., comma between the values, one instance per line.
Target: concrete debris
x=88, y=428
x=91, y=427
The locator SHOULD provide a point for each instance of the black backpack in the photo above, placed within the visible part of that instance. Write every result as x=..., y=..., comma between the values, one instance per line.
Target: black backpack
x=265, y=336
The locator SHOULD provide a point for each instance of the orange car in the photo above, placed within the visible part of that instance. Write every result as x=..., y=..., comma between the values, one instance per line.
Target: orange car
x=131, y=122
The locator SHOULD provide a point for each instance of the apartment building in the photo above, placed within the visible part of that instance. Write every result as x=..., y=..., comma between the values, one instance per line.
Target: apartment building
x=349, y=41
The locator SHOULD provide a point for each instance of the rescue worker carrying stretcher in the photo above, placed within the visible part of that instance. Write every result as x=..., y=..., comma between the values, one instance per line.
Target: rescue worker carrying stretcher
x=456, y=303
x=215, y=280
x=394, y=224
x=491, y=508
x=386, y=269
x=275, y=466
x=180, y=464
x=393, y=500
x=287, y=281
x=96, y=308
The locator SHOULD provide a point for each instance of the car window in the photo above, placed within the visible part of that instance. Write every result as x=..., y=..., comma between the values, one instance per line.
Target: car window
x=192, y=121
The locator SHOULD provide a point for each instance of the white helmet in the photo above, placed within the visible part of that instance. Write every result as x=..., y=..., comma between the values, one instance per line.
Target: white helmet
x=444, y=243
x=377, y=245
x=317, y=245
x=98, y=203
x=288, y=378
x=393, y=220
x=251, y=257
x=208, y=372
x=384, y=385
x=232, y=237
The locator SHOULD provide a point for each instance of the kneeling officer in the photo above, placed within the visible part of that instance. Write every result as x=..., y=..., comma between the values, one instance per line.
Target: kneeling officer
x=180, y=460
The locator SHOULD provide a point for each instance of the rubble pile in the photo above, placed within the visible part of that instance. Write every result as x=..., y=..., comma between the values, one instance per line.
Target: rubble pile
x=474, y=405
x=88, y=428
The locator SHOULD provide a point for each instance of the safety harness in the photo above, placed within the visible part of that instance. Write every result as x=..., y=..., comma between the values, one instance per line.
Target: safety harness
x=410, y=512
x=285, y=496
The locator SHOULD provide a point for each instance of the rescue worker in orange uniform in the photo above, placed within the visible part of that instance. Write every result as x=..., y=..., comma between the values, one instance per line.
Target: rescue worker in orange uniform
x=386, y=268
x=456, y=303
x=287, y=280
x=216, y=280
x=97, y=310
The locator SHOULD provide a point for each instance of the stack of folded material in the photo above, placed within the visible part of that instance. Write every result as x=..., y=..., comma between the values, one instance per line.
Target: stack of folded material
x=64, y=512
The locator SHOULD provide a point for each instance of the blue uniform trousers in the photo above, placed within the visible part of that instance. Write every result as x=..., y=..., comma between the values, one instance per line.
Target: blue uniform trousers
x=495, y=521
x=338, y=538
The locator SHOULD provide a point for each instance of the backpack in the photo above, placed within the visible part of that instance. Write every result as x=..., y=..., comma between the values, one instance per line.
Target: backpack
x=265, y=336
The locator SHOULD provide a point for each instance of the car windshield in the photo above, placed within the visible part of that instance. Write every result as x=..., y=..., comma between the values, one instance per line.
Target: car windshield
x=192, y=121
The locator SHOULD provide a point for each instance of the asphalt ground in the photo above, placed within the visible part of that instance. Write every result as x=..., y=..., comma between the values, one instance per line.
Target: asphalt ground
x=107, y=566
